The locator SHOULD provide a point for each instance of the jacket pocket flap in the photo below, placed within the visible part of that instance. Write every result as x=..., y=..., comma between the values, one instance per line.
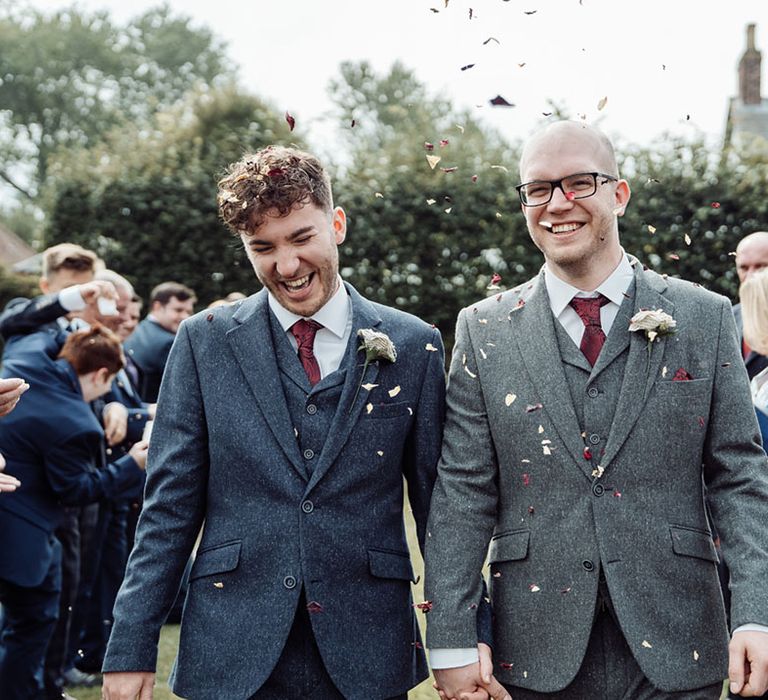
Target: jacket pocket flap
x=216, y=560
x=390, y=564
x=388, y=410
x=509, y=546
x=692, y=543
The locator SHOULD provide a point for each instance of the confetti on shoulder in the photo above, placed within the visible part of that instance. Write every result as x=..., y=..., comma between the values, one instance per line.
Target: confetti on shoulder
x=430, y=347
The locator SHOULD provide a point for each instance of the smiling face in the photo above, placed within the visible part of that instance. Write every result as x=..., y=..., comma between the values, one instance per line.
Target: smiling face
x=296, y=257
x=578, y=237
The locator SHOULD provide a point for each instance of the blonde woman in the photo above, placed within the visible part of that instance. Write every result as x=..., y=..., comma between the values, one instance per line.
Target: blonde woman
x=754, y=309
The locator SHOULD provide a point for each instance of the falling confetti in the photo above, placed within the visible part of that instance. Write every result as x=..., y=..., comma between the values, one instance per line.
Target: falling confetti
x=468, y=66
x=394, y=392
x=443, y=143
x=474, y=178
x=651, y=229
x=380, y=453
x=431, y=201
x=509, y=399
x=291, y=121
x=647, y=644
x=433, y=161
x=491, y=38
x=429, y=146
x=379, y=195
x=499, y=101
x=715, y=205
x=687, y=239
x=541, y=429
x=450, y=170
x=602, y=103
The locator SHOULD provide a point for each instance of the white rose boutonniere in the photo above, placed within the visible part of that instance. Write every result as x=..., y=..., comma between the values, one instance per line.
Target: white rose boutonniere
x=376, y=346
x=654, y=324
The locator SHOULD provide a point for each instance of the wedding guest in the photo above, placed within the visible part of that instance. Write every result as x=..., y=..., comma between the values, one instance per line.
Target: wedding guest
x=285, y=427
x=754, y=312
x=53, y=445
x=751, y=257
x=587, y=410
x=170, y=303
x=11, y=390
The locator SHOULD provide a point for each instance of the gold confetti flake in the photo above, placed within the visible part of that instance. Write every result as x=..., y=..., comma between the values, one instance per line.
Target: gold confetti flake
x=541, y=429
x=379, y=195
x=647, y=644
x=695, y=655
x=431, y=201
x=448, y=210
x=525, y=674
x=525, y=461
x=546, y=442
x=394, y=392
x=482, y=354
x=410, y=410
x=368, y=407
x=602, y=103
x=469, y=372
x=369, y=386
x=433, y=161
x=498, y=215
x=500, y=167
x=664, y=371
x=534, y=588
x=484, y=321
x=651, y=229
x=687, y=239
x=430, y=347
x=509, y=399
x=598, y=472
x=458, y=126
x=218, y=584
x=380, y=453
x=546, y=450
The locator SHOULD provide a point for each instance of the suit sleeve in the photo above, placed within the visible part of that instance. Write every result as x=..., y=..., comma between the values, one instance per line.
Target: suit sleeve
x=22, y=316
x=736, y=476
x=422, y=449
x=463, y=510
x=174, y=507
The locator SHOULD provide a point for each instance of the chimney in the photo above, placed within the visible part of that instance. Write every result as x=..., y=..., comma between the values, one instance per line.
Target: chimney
x=749, y=71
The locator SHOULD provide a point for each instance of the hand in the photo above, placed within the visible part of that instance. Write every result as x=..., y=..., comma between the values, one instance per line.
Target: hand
x=92, y=291
x=10, y=393
x=151, y=410
x=748, y=664
x=495, y=689
x=8, y=483
x=128, y=685
x=471, y=682
x=139, y=453
x=115, y=423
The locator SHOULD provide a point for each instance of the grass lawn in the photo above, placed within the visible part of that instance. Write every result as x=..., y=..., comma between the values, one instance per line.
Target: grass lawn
x=169, y=639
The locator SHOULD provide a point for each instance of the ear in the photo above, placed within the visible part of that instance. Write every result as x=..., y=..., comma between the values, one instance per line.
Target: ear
x=339, y=224
x=101, y=374
x=621, y=197
x=44, y=285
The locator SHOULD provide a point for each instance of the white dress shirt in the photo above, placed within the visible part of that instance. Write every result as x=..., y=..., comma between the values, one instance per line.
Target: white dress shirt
x=331, y=340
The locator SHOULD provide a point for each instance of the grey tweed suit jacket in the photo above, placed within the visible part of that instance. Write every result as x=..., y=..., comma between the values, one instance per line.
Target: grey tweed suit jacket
x=513, y=473
x=224, y=456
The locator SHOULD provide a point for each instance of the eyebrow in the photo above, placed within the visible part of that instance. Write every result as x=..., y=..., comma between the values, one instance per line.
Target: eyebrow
x=292, y=237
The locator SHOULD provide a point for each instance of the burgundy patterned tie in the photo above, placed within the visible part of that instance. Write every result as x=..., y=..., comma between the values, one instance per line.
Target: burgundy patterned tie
x=588, y=309
x=304, y=331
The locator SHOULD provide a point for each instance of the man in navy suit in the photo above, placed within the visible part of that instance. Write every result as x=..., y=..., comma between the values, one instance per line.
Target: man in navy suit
x=169, y=304
x=53, y=446
x=286, y=424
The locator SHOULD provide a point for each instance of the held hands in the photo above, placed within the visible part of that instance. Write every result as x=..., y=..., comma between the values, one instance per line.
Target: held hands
x=748, y=663
x=472, y=682
x=10, y=393
x=139, y=453
x=128, y=685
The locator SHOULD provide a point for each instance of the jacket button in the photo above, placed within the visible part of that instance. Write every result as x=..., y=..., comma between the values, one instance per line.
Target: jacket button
x=311, y=409
x=307, y=506
x=594, y=439
x=598, y=489
x=592, y=392
x=308, y=454
x=289, y=582
x=588, y=565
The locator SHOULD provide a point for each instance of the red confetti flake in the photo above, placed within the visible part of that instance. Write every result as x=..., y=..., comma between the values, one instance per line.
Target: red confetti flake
x=499, y=101
x=617, y=494
x=417, y=644
x=682, y=376
x=570, y=196
x=496, y=278
x=425, y=607
x=313, y=607
x=474, y=178
x=209, y=317
x=673, y=256
x=566, y=590
x=526, y=479
x=443, y=143
x=506, y=665
x=715, y=205
x=587, y=453
x=450, y=170
x=473, y=606
x=530, y=408
x=275, y=172
x=497, y=574
x=291, y=121
x=531, y=510
x=429, y=146
x=702, y=422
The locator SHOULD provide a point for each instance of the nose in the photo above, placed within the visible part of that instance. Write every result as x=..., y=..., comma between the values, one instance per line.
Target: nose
x=560, y=199
x=287, y=263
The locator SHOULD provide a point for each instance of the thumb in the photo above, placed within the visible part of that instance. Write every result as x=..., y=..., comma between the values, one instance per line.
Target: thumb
x=486, y=662
x=736, y=665
x=496, y=690
x=146, y=690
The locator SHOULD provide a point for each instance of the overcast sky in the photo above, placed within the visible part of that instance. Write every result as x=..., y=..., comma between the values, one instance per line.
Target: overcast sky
x=663, y=65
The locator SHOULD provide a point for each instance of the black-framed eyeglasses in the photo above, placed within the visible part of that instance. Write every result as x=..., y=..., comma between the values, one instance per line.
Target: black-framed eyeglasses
x=577, y=186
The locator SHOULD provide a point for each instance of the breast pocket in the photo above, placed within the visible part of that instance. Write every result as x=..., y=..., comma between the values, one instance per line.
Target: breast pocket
x=388, y=410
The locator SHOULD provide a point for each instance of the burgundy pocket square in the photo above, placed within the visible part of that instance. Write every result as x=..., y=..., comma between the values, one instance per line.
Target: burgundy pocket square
x=682, y=376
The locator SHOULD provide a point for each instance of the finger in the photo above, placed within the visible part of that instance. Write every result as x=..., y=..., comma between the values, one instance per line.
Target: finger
x=13, y=394
x=479, y=694
x=486, y=662
x=496, y=690
x=737, y=663
x=146, y=690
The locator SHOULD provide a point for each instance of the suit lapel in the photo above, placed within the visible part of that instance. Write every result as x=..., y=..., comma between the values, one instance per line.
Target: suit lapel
x=364, y=315
x=253, y=347
x=618, y=339
x=534, y=328
x=642, y=368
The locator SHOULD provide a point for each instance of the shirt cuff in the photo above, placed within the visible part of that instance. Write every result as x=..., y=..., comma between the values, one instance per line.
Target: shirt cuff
x=751, y=627
x=453, y=658
x=71, y=299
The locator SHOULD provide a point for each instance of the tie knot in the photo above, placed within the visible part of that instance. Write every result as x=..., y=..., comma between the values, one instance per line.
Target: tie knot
x=588, y=308
x=304, y=331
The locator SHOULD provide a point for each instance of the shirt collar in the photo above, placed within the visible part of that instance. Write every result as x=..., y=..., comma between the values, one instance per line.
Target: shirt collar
x=614, y=287
x=333, y=315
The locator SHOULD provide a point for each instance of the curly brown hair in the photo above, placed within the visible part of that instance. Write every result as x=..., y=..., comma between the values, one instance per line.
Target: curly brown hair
x=276, y=178
x=93, y=348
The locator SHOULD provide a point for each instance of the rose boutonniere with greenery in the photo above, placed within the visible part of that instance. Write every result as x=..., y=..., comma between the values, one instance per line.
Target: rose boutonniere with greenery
x=654, y=324
x=376, y=346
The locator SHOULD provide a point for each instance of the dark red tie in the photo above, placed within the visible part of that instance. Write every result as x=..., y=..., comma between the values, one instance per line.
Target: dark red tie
x=588, y=309
x=304, y=331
